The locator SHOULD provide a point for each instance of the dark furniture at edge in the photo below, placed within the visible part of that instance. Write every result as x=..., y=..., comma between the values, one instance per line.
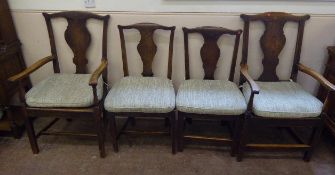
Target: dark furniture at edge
x=11, y=63
x=329, y=74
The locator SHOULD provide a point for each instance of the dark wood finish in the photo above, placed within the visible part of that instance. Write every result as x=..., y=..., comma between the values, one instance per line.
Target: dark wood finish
x=272, y=42
x=329, y=74
x=210, y=54
x=25, y=73
x=147, y=50
x=11, y=62
x=78, y=38
x=317, y=76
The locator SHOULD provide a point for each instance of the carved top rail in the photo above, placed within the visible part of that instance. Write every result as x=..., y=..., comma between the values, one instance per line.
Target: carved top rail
x=77, y=36
x=146, y=47
x=210, y=51
x=273, y=41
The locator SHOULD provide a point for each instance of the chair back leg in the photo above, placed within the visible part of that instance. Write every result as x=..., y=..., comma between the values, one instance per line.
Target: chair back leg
x=314, y=140
x=113, y=130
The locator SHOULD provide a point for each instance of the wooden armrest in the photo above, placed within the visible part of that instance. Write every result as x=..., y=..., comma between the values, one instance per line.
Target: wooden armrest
x=251, y=82
x=25, y=73
x=96, y=74
x=323, y=81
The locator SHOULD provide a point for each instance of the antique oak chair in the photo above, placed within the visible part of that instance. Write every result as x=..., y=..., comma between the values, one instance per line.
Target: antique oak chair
x=210, y=99
x=279, y=103
x=67, y=95
x=142, y=96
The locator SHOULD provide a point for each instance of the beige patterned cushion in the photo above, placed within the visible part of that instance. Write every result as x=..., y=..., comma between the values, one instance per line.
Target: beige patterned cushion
x=63, y=90
x=218, y=97
x=141, y=94
x=283, y=99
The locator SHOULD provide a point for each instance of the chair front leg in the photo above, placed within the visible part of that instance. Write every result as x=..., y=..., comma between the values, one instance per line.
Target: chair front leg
x=314, y=139
x=28, y=124
x=173, y=134
x=30, y=132
x=236, y=135
x=243, y=136
x=100, y=131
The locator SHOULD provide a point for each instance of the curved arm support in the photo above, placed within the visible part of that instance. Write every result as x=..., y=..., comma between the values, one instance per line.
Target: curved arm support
x=25, y=73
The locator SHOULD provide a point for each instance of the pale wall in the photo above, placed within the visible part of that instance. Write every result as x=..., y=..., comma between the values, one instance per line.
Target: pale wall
x=33, y=34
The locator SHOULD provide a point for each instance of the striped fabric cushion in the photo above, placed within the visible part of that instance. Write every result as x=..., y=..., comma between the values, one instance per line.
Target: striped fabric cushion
x=218, y=97
x=64, y=90
x=283, y=99
x=141, y=94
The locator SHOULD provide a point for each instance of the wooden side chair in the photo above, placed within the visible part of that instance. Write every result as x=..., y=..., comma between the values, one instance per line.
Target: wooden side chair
x=67, y=95
x=210, y=99
x=279, y=103
x=142, y=96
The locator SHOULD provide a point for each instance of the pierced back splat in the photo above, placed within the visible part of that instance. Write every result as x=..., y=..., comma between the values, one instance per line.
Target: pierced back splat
x=210, y=51
x=273, y=41
x=146, y=48
x=77, y=36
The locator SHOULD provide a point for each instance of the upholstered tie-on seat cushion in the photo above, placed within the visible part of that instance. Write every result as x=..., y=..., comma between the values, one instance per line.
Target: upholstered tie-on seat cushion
x=63, y=90
x=141, y=94
x=219, y=97
x=283, y=99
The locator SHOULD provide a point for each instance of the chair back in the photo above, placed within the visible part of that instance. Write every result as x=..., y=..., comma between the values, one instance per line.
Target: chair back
x=210, y=51
x=273, y=41
x=77, y=36
x=146, y=48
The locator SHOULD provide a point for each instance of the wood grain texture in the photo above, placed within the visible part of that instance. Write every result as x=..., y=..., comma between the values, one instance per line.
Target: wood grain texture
x=210, y=51
x=146, y=48
x=272, y=43
x=273, y=40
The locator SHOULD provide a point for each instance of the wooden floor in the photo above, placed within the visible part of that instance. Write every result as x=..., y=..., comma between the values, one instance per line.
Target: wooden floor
x=146, y=155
